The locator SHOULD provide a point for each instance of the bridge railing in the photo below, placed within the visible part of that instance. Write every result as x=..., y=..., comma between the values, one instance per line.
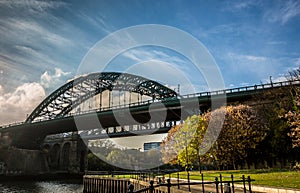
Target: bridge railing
x=11, y=124
x=243, y=89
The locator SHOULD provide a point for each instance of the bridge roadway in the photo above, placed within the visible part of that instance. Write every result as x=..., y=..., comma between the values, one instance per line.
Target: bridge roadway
x=30, y=135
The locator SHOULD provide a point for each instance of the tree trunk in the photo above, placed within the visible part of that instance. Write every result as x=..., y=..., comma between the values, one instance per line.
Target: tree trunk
x=199, y=163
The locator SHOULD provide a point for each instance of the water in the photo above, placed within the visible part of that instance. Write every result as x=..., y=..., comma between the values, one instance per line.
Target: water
x=66, y=186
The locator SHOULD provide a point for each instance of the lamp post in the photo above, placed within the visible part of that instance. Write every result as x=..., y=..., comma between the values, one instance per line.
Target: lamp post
x=187, y=162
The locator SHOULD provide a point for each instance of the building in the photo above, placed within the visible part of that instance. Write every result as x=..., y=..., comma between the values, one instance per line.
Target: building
x=152, y=145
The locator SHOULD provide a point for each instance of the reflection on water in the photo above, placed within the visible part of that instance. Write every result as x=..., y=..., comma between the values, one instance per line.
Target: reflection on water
x=42, y=187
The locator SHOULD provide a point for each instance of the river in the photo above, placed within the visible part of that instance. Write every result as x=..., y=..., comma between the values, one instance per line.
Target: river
x=59, y=186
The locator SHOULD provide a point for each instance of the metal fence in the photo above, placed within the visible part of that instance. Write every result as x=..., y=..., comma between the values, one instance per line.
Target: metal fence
x=219, y=185
x=141, y=182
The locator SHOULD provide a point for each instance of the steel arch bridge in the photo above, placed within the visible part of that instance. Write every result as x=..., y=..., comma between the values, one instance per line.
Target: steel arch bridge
x=55, y=115
x=69, y=96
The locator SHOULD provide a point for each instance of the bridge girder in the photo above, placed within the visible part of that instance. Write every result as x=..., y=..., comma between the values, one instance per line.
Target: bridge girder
x=66, y=98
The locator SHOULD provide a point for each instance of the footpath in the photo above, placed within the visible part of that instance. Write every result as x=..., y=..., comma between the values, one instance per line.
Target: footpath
x=238, y=188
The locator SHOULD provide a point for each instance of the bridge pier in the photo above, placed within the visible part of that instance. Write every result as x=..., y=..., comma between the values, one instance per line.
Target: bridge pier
x=66, y=154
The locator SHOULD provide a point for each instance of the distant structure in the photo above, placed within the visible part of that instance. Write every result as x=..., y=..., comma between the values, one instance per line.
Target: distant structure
x=152, y=145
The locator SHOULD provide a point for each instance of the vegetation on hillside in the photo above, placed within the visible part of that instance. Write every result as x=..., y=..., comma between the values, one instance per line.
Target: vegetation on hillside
x=265, y=135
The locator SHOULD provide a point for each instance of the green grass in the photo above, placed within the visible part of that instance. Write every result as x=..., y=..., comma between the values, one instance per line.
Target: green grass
x=271, y=178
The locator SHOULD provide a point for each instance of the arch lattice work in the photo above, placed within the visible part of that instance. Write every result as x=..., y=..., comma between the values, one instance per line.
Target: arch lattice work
x=77, y=91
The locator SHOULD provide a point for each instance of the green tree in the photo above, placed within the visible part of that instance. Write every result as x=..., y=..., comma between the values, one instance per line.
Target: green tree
x=183, y=143
x=278, y=107
x=152, y=158
x=119, y=158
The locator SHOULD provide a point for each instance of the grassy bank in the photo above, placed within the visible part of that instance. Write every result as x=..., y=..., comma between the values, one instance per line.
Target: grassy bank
x=272, y=178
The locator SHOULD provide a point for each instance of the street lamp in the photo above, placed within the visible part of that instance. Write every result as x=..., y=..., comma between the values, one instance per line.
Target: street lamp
x=187, y=161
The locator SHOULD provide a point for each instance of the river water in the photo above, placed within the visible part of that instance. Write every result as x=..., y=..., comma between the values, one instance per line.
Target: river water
x=65, y=186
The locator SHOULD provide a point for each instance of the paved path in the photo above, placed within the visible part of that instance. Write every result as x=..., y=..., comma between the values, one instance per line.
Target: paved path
x=238, y=188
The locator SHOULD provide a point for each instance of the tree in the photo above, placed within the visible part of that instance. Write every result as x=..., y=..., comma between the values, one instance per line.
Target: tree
x=183, y=142
x=167, y=147
x=243, y=129
x=152, y=158
x=119, y=158
x=294, y=74
x=293, y=115
x=293, y=119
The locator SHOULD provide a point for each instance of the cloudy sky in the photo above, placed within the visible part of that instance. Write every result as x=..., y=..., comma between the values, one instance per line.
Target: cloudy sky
x=43, y=43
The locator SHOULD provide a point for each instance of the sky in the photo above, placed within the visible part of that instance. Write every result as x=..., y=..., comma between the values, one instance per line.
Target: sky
x=43, y=43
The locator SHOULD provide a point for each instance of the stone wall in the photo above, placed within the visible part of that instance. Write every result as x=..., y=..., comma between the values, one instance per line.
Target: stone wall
x=22, y=161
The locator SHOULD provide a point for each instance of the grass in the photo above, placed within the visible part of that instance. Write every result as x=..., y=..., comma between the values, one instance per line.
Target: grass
x=271, y=178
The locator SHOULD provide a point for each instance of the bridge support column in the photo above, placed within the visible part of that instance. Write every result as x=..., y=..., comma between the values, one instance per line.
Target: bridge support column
x=67, y=154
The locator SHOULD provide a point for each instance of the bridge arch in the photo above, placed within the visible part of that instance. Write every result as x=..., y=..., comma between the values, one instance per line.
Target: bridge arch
x=54, y=156
x=65, y=156
x=69, y=96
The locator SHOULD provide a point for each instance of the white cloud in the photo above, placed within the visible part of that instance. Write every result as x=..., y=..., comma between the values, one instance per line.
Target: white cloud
x=16, y=105
x=284, y=12
x=251, y=58
x=238, y=6
x=48, y=80
x=281, y=78
x=33, y=31
x=36, y=7
x=244, y=84
x=142, y=55
x=297, y=62
x=254, y=58
x=276, y=43
x=98, y=21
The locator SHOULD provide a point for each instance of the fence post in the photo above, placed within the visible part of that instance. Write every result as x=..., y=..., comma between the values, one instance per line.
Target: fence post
x=232, y=181
x=202, y=183
x=221, y=183
x=249, y=182
x=130, y=188
x=84, y=185
x=227, y=188
x=169, y=185
x=217, y=185
x=189, y=181
x=151, y=186
x=178, y=180
x=244, y=184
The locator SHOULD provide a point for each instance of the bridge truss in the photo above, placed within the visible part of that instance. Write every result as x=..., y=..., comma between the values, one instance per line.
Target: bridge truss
x=68, y=97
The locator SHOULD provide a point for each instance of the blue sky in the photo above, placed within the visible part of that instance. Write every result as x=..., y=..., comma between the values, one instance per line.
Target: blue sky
x=43, y=42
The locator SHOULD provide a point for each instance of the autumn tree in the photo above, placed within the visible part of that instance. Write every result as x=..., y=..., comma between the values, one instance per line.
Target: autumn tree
x=293, y=119
x=167, y=147
x=243, y=129
x=293, y=114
